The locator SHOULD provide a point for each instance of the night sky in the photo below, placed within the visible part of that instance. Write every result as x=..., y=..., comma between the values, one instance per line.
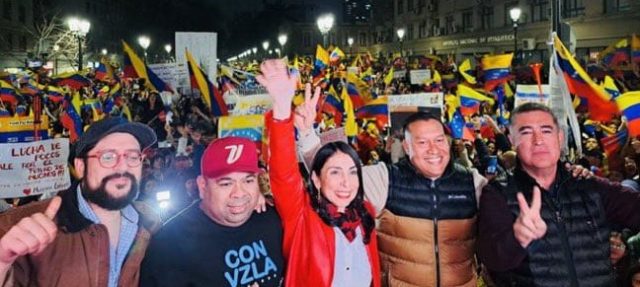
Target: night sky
x=238, y=22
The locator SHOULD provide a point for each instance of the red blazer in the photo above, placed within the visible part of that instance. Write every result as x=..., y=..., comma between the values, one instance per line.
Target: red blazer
x=309, y=243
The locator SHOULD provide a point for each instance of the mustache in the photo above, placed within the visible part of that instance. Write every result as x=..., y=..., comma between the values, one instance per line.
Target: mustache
x=128, y=175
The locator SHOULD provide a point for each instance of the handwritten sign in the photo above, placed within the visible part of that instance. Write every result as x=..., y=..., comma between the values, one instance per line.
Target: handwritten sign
x=418, y=77
x=34, y=168
x=252, y=105
x=531, y=93
x=431, y=100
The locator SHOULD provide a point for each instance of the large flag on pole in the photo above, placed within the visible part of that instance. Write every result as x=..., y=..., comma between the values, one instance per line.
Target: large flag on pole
x=209, y=93
x=134, y=67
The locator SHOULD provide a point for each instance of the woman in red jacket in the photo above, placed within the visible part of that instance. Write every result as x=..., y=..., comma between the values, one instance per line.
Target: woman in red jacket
x=329, y=229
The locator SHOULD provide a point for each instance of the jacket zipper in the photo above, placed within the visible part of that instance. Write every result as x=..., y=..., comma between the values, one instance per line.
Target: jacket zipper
x=565, y=248
x=435, y=232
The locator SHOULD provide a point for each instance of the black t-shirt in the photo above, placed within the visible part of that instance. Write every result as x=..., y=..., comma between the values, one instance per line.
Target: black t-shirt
x=193, y=250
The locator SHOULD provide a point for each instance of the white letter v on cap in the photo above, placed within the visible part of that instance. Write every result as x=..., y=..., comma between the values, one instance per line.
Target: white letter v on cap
x=234, y=153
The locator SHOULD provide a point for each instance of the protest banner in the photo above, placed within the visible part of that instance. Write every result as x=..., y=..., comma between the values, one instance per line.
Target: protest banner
x=34, y=168
x=531, y=93
x=418, y=77
x=399, y=74
x=252, y=105
x=20, y=129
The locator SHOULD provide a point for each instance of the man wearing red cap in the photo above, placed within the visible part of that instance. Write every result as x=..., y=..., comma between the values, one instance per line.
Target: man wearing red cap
x=220, y=241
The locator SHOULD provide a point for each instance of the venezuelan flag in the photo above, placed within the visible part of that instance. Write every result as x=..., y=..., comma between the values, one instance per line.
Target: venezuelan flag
x=377, y=109
x=629, y=104
x=458, y=127
x=610, y=87
x=336, y=55
x=321, y=63
x=134, y=67
x=361, y=88
x=496, y=70
x=333, y=105
x=615, y=142
x=465, y=69
x=635, y=48
x=30, y=88
x=350, y=125
x=72, y=79
x=70, y=117
x=210, y=94
x=247, y=126
x=601, y=108
x=470, y=100
x=104, y=72
x=55, y=94
x=615, y=53
x=8, y=93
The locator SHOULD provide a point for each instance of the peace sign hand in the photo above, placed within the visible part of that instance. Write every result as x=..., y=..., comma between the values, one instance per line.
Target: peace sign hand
x=529, y=225
x=305, y=114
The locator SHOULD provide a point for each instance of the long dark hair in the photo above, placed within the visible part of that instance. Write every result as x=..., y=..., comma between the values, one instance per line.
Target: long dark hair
x=319, y=203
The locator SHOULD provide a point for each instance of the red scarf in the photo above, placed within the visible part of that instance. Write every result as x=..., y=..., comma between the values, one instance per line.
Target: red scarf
x=347, y=221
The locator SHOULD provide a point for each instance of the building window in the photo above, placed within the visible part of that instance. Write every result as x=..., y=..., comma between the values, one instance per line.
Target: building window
x=363, y=39
x=400, y=7
x=467, y=21
x=540, y=10
x=409, y=5
x=450, y=23
x=422, y=29
x=572, y=8
x=22, y=14
x=6, y=9
x=614, y=6
x=9, y=42
x=410, y=31
x=486, y=17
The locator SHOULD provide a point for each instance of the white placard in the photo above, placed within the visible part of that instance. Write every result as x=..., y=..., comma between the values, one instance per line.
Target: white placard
x=531, y=93
x=252, y=105
x=34, y=168
x=430, y=100
x=399, y=74
x=418, y=77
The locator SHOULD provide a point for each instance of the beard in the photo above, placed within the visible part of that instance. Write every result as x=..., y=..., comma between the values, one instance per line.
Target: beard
x=101, y=197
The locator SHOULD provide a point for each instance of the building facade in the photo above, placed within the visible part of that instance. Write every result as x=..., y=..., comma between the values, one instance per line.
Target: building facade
x=16, y=24
x=466, y=28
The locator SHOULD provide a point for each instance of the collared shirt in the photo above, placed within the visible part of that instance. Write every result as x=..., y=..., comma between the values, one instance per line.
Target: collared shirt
x=128, y=230
x=352, y=267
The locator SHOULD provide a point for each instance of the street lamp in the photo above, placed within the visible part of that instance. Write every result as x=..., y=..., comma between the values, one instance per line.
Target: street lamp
x=79, y=28
x=325, y=22
x=144, y=42
x=515, y=16
x=168, y=48
x=350, y=42
x=104, y=51
x=282, y=39
x=265, y=46
x=279, y=52
x=400, y=33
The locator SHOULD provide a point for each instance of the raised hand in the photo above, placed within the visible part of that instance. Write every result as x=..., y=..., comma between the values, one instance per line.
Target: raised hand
x=305, y=114
x=280, y=85
x=30, y=235
x=529, y=225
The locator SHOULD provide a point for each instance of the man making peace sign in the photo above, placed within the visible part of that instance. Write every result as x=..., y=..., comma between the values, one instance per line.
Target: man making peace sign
x=542, y=227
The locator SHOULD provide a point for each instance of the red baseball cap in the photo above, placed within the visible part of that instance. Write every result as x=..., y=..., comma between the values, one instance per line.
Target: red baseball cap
x=230, y=154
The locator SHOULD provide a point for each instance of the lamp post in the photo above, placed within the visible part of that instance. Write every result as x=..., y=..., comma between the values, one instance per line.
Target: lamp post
x=144, y=42
x=104, y=52
x=255, y=53
x=79, y=28
x=282, y=39
x=168, y=48
x=325, y=22
x=400, y=32
x=56, y=48
x=350, y=42
x=265, y=46
x=515, y=16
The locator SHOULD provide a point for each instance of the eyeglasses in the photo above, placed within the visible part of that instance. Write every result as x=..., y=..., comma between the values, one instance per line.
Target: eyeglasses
x=110, y=158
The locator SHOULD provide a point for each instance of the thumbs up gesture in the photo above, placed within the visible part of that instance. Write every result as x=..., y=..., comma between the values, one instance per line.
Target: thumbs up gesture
x=30, y=235
x=529, y=225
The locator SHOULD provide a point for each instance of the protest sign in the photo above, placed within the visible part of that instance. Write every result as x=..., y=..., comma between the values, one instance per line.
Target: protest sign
x=418, y=77
x=34, y=168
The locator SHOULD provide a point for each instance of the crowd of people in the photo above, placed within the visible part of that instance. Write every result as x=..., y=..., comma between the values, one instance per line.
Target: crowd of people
x=416, y=206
